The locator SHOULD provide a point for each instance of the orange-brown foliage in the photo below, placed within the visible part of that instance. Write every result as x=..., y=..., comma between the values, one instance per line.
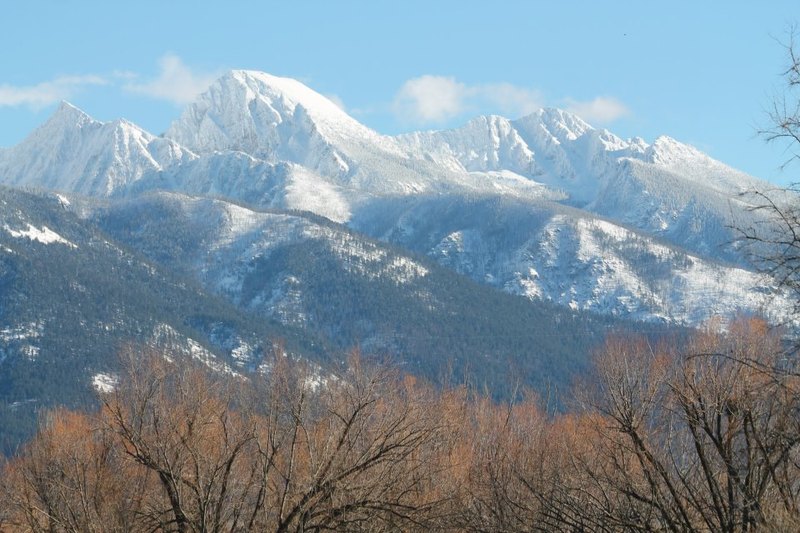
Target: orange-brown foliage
x=693, y=438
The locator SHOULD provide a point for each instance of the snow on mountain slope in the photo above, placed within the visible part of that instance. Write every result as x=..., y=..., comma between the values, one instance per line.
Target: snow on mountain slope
x=597, y=265
x=690, y=163
x=484, y=144
x=666, y=205
x=73, y=152
x=669, y=189
x=275, y=119
x=278, y=119
x=272, y=142
x=234, y=251
x=550, y=146
x=565, y=255
x=258, y=113
x=235, y=237
x=44, y=235
x=241, y=177
x=562, y=151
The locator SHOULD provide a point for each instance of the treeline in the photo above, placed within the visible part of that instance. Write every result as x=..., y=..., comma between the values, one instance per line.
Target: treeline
x=704, y=436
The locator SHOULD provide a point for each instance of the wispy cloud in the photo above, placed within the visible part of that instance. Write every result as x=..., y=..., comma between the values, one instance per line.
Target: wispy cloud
x=431, y=99
x=511, y=99
x=601, y=110
x=176, y=82
x=47, y=92
x=436, y=99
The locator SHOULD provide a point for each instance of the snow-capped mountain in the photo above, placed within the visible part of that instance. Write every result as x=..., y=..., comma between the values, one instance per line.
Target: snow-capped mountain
x=72, y=152
x=350, y=290
x=545, y=206
x=279, y=119
x=215, y=282
x=572, y=257
x=72, y=298
x=666, y=188
x=271, y=118
x=541, y=147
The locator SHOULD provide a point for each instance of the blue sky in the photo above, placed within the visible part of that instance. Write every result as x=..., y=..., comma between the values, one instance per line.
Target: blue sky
x=702, y=72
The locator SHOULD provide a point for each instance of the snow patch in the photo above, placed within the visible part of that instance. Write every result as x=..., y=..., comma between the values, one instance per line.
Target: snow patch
x=17, y=340
x=104, y=383
x=29, y=351
x=243, y=353
x=309, y=192
x=44, y=235
x=314, y=382
x=31, y=330
x=63, y=201
x=238, y=221
x=368, y=259
x=165, y=337
x=285, y=303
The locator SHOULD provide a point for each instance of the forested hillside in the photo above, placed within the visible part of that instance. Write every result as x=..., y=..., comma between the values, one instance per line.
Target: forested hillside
x=174, y=273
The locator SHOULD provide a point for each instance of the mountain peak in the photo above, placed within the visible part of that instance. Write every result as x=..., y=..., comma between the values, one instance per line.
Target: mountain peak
x=69, y=115
x=290, y=91
x=569, y=124
x=264, y=115
x=72, y=152
x=129, y=128
x=66, y=107
x=666, y=151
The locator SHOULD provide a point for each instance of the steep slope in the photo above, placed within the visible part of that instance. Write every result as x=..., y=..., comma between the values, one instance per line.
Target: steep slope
x=667, y=189
x=269, y=117
x=279, y=119
x=550, y=146
x=72, y=152
x=272, y=142
x=565, y=255
x=354, y=291
x=71, y=297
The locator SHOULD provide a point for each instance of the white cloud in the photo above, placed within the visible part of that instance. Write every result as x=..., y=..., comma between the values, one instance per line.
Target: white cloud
x=124, y=75
x=176, y=82
x=47, y=92
x=430, y=99
x=511, y=99
x=601, y=110
x=436, y=99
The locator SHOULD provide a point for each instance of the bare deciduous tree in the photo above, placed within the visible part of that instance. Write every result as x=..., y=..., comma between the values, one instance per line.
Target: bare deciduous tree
x=182, y=425
x=354, y=453
x=702, y=436
x=175, y=448
x=70, y=478
x=701, y=439
x=774, y=240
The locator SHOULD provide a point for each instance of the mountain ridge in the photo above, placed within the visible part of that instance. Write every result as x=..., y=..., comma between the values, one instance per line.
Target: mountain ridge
x=273, y=142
